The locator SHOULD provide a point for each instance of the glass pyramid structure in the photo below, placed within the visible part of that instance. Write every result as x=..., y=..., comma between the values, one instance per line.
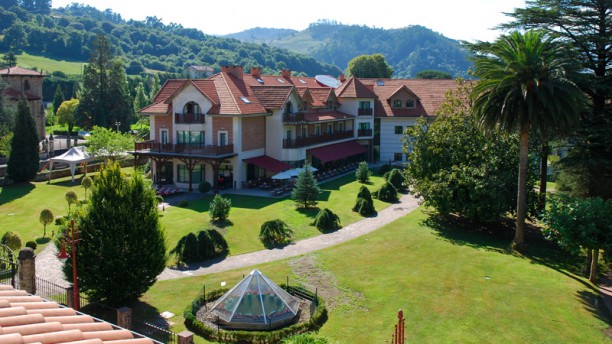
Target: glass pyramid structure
x=254, y=303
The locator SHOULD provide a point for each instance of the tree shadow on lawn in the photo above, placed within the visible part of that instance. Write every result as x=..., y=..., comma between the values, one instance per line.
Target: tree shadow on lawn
x=143, y=314
x=12, y=192
x=310, y=212
x=594, y=304
x=497, y=237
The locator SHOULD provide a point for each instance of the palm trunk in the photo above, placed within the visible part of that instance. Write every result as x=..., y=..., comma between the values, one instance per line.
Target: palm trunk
x=521, y=203
x=594, y=262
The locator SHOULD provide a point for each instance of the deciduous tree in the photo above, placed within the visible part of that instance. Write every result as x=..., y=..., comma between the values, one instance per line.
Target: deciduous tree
x=369, y=66
x=45, y=218
x=66, y=115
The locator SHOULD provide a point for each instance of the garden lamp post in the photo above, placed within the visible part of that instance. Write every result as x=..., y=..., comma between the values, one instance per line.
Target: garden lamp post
x=117, y=124
x=63, y=256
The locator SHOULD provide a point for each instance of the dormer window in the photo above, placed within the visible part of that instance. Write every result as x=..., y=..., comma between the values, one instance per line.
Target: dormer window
x=410, y=103
x=397, y=103
x=191, y=108
x=289, y=107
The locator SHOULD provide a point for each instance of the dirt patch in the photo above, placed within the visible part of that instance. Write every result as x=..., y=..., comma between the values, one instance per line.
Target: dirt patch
x=335, y=295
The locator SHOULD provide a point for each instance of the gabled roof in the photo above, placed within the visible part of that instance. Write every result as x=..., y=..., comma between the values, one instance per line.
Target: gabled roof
x=172, y=87
x=235, y=96
x=26, y=318
x=430, y=95
x=21, y=72
x=273, y=97
x=321, y=95
x=353, y=88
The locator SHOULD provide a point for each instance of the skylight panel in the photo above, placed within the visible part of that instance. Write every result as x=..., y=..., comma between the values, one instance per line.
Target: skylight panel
x=380, y=83
x=246, y=100
x=280, y=80
x=302, y=81
x=259, y=80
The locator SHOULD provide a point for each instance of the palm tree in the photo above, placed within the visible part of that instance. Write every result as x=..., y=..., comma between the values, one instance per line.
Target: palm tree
x=523, y=87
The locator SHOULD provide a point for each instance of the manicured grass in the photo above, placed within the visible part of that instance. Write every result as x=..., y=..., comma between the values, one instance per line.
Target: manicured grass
x=454, y=286
x=249, y=213
x=48, y=65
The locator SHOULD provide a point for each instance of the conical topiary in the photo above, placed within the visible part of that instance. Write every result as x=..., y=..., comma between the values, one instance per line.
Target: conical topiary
x=387, y=193
x=327, y=221
x=364, y=207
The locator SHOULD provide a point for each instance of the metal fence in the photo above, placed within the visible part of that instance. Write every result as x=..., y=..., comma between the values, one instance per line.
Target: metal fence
x=51, y=291
x=157, y=333
x=304, y=290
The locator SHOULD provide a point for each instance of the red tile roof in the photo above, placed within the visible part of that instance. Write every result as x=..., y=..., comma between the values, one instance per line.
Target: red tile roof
x=21, y=71
x=26, y=318
x=272, y=97
x=235, y=96
x=430, y=93
x=353, y=88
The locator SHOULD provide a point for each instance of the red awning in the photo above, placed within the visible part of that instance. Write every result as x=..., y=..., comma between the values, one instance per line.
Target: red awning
x=268, y=163
x=337, y=151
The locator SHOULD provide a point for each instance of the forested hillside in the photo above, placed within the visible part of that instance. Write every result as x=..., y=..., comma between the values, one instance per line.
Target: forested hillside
x=409, y=50
x=67, y=33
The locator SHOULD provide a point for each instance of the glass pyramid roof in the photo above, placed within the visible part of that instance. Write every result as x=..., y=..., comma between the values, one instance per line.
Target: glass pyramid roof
x=256, y=300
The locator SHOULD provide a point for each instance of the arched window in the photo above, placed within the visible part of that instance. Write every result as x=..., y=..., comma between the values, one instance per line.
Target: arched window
x=191, y=108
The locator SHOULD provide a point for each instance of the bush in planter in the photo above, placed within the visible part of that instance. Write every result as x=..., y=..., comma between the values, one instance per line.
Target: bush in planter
x=204, y=187
x=275, y=232
x=387, y=193
x=327, y=221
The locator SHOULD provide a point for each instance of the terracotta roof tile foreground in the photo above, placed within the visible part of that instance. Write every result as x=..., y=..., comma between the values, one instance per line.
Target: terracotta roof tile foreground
x=26, y=318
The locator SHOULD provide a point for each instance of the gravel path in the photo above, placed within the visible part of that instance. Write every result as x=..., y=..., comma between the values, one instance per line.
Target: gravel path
x=48, y=267
x=407, y=204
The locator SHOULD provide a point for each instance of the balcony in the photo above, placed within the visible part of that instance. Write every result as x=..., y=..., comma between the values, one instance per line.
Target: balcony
x=296, y=117
x=364, y=132
x=188, y=118
x=364, y=112
x=299, y=142
x=182, y=149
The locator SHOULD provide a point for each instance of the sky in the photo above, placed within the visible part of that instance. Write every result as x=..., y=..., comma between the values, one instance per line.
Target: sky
x=468, y=20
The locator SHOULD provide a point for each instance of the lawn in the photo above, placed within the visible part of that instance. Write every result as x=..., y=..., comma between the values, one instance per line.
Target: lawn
x=48, y=65
x=20, y=206
x=454, y=285
x=248, y=213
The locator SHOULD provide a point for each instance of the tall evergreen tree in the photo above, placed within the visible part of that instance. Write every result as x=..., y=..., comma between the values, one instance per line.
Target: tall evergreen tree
x=121, y=109
x=121, y=236
x=23, y=162
x=58, y=98
x=306, y=190
x=586, y=26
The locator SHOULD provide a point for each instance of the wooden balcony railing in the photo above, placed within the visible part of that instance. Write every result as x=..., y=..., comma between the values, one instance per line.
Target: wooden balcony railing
x=295, y=117
x=364, y=112
x=364, y=132
x=316, y=139
x=188, y=118
x=183, y=148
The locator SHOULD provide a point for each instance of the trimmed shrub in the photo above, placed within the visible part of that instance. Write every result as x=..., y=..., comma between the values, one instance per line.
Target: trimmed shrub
x=384, y=169
x=12, y=240
x=219, y=208
x=305, y=338
x=31, y=244
x=204, y=187
x=327, y=221
x=71, y=198
x=387, y=193
x=396, y=178
x=275, y=232
x=364, y=193
x=364, y=207
x=45, y=218
x=363, y=172
x=207, y=244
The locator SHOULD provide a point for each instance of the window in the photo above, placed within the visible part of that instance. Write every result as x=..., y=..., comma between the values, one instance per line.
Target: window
x=364, y=105
x=340, y=126
x=197, y=176
x=317, y=129
x=164, y=136
x=410, y=103
x=26, y=85
x=289, y=107
x=190, y=137
x=397, y=156
x=222, y=138
x=364, y=125
x=399, y=130
x=288, y=134
x=191, y=108
x=397, y=103
x=330, y=128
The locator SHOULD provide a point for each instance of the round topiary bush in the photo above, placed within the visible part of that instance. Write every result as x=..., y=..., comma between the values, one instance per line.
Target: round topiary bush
x=275, y=232
x=387, y=193
x=327, y=221
x=204, y=187
x=12, y=240
x=31, y=244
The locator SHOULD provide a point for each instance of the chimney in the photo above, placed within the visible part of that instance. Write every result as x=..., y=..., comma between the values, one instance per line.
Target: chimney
x=286, y=73
x=342, y=78
x=256, y=72
x=236, y=71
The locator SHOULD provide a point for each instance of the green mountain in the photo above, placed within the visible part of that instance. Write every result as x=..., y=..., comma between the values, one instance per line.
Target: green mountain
x=67, y=34
x=408, y=50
